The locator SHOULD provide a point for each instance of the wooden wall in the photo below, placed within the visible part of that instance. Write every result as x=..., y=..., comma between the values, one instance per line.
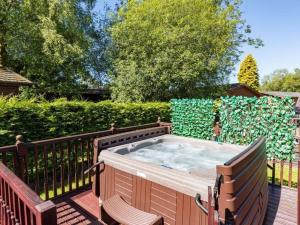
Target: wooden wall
x=244, y=189
x=8, y=89
x=176, y=208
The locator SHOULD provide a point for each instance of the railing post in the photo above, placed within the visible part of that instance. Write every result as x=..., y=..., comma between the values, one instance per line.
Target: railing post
x=47, y=213
x=113, y=128
x=273, y=172
x=298, y=197
x=158, y=121
x=20, y=157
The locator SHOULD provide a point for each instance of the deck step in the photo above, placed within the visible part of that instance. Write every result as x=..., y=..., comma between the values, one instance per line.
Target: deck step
x=125, y=214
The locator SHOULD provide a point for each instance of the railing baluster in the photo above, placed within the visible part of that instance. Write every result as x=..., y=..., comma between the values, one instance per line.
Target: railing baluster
x=281, y=172
x=1, y=201
x=26, y=219
x=45, y=154
x=26, y=178
x=2, y=216
x=31, y=176
x=88, y=149
x=54, y=169
x=69, y=166
x=62, y=169
x=290, y=173
x=10, y=203
x=5, y=202
x=76, y=163
x=273, y=172
x=21, y=218
x=31, y=218
x=4, y=158
x=15, y=207
x=82, y=161
x=36, y=164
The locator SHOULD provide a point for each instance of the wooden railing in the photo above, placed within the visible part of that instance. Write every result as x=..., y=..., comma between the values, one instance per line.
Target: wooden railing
x=8, y=156
x=20, y=205
x=56, y=166
x=283, y=173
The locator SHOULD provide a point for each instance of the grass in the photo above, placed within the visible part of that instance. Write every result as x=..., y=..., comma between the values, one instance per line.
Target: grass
x=59, y=189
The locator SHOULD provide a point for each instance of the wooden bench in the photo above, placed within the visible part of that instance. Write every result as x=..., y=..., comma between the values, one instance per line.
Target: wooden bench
x=116, y=211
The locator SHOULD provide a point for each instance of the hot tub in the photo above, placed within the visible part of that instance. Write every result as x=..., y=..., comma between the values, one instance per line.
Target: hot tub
x=162, y=173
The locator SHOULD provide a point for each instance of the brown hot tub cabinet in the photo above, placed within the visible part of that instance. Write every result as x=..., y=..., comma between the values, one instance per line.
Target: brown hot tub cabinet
x=236, y=194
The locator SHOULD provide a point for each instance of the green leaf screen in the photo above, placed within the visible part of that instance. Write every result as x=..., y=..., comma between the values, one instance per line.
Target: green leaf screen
x=245, y=119
x=192, y=117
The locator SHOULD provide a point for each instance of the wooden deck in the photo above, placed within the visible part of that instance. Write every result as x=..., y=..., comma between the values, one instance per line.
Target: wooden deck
x=282, y=206
x=82, y=208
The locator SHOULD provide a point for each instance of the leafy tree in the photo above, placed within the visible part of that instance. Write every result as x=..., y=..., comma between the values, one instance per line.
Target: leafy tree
x=53, y=43
x=248, y=73
x=165, y=49
x=282, y=80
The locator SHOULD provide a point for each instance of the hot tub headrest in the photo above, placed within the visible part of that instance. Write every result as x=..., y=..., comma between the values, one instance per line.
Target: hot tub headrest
x=259, y=141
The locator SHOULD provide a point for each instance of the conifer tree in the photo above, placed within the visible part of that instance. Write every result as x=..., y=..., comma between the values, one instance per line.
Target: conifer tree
x=248, y=73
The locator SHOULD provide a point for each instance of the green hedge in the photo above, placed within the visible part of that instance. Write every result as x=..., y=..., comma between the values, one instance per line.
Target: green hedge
x=245, y=119
x=193, y=117
x=42, y=120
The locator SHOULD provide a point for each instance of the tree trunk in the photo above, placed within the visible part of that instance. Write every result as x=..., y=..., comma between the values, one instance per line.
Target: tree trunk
x=2, y=44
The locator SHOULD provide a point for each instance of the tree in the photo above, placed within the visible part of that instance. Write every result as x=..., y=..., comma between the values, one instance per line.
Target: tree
x=174, y=49
x=248, y=73
x=282, y=80
x=53, y=43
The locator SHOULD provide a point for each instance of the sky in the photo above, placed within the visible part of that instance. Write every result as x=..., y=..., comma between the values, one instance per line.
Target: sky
x=277, y=23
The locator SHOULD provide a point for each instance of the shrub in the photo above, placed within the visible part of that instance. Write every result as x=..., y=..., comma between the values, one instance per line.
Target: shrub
x=43, y=120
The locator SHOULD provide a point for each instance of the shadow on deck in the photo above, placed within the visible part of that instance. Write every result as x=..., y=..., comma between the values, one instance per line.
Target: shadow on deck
x=282, y=206
x=81, y=207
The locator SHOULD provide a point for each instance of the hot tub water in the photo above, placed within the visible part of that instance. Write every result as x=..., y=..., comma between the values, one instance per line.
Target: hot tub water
x=182, y=156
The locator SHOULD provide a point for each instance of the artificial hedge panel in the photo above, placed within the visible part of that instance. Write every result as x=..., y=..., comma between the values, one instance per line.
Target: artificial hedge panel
x=192, y=117
x=43, y=120
x=245, y=119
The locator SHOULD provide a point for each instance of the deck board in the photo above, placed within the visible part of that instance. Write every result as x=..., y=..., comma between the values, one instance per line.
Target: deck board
x=81, y=207
x=282, y=206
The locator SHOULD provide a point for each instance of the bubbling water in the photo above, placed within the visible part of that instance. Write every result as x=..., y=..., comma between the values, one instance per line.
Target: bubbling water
x=182, y=156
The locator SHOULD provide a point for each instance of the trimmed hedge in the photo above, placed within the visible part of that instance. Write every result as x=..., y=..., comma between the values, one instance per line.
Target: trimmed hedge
x=245, y=119
x=43, y=120
x=193, y=117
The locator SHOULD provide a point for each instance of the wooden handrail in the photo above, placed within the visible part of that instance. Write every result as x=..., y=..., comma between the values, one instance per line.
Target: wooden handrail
x=10, y=148
x=18, y=202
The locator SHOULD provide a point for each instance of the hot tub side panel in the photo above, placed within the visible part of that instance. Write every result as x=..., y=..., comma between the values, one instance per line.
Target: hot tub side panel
x=243, y=193
x=176, y=208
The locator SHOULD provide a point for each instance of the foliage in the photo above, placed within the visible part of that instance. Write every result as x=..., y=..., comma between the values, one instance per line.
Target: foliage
x=42, y=120
x=56, y=44
x=162, y=50
x=282, y=80
x=248, y=73
x=193, y=117
x=245, y=119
